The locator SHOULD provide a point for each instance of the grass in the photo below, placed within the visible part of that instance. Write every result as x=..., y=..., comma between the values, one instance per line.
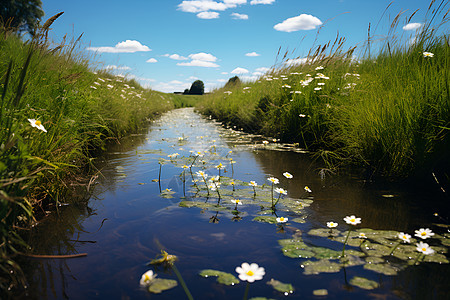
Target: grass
x=81, y=112
x=388, y=112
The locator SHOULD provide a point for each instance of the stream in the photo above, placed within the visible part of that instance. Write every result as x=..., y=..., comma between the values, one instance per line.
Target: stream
x=131, y=216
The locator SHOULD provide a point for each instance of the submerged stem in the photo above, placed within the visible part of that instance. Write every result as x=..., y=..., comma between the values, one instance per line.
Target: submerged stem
x=183, y=284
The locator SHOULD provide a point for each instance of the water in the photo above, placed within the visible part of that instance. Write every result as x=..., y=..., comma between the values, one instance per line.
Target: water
x=126, y=222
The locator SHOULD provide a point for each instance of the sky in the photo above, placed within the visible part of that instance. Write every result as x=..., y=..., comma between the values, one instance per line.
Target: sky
x=168, y=44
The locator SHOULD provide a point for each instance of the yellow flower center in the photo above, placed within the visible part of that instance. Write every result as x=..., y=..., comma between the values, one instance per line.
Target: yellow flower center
x=250, y=273
x=423, y=233
x=38, y=123
x=281, y=219
x=352, y=220
x=424, y=249
x=404, y=237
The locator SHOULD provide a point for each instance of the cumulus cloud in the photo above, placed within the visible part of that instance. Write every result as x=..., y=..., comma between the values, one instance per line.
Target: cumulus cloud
x=175, y=56
x=151, y=60
x=301, y=22
x=262, y=69
x=203, y=56
x=412, y=26
x=129, y=46
x=237, y=16
x=208, y=15
x=239, y=70
x=252, y=54
x=296, y=61
x=114, y=67
x=254, y=2
x=197, y=6
x=198, y=63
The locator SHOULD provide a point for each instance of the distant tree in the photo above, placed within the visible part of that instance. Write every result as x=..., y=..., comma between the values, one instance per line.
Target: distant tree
x=232, y=82
x=186, y=92
x=197, y=88
x=21, y=14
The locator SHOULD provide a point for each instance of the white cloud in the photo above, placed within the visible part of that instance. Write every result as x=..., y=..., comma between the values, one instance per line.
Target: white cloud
x=175, y=56
x=208, y=15
x=254, y=2
x=301, y=22
x=199, y=63
x=237, y=16
x=129, y=46
x=114, y=67
x=171, y=86
x=239, y=70
x=222, y=80
x=197, y=6
x=262, y=69
x=151, y=60
x=252, y=54
x=233, y=3
x=296, y=61
x=203, y=56
x=412, y=26
x=224, y=73
x=249, y=78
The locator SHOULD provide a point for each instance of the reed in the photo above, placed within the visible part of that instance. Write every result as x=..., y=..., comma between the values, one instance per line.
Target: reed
x=387, y=110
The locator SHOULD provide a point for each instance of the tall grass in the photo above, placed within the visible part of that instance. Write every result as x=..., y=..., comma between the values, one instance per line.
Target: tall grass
x=80, y=110
x=387, y=111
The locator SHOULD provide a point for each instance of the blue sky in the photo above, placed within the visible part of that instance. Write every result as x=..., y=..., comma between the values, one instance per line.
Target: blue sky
x=168, y=44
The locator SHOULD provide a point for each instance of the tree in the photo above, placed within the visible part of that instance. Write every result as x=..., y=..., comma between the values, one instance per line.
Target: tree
x=197, y=88
x=24, y=15
x=232, y=82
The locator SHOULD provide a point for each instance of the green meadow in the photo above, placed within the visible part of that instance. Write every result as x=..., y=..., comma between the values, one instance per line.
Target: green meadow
x=387, y=110
x=57, y=114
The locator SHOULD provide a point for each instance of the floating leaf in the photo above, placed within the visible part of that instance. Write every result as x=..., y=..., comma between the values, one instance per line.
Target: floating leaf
x=321, y=292
x=297, y=253
x=159, y=285
x=222, y=277
x=281, y=287
x=382, y=268
x=374, y=260
x=321, y=252
x=324, y=232
x=320, y=266
x=165, y=258
x=364, y=283
x=266, y=219
x=299, y=220
x=436, y=258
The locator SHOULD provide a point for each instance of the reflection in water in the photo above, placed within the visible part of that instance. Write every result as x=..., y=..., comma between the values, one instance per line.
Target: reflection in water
x=130, y=212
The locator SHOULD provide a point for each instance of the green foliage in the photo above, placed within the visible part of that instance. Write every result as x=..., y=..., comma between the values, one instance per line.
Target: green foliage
x=232, y=82
x=55, y=114
x=197, y=88
x=23, y=15
x=389, y=112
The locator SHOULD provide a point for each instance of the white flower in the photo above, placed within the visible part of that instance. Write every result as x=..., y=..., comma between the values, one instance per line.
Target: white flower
x=317, y=88
x=404, y=237
x=185, y=167
x=282, y=220
x=214, y=178
x=281, y=191
x=219, y=166
x=362, y=235
x=428, y=54
x=319, y=68
x=201, y=174
x=332, y=224
x=288, y=175
x=352, y=220
x=424, y=233
x=236, y=201
x=302, y=116
x=147, y=278
x=321, y=83
x=308, y=189
x=265, y=142
x=250, y=272
x=273, y=180
x=424, y=248
x=253, y=183
x=37, y=124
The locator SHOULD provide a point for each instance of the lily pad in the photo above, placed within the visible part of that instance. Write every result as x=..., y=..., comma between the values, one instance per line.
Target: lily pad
x=382, y=268
x=324, y=232
x=222, y=277
x=299, y=220
x=266, y=219
x=281, y=287
x=159, y=285
x=325, y=253
x=297, y=253
x=364, y=283
x=321, y=292
x=374, y=260
x=436, y=258
x=320, y=266
x=201, y=204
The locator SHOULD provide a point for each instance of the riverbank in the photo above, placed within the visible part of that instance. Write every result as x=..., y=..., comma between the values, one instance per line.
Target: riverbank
x=56, y=115
x=388, y=112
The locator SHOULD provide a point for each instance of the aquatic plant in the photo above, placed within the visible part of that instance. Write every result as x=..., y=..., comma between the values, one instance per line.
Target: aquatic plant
x=352, y=220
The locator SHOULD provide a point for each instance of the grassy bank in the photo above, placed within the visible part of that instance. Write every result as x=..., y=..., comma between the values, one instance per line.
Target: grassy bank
x=56, y=113
x=389, y=112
